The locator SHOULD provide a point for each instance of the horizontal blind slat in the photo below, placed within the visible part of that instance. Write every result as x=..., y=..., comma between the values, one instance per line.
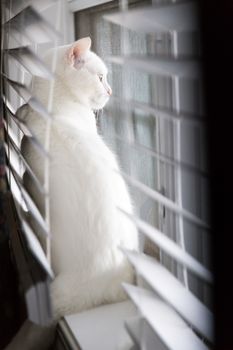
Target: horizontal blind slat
x=174, y=293
x=178, y=17
x=29, y=27
x=169, y=68
x=19, y=122
x=171, y=248
x=15, y=190
x=158, y=197
x=13, y=160
x=38, y=146
x=159, y=156
x=29, y=202
x=166, y=323
x=134, y=327
x=30, y=61
x=25, y=131
x=38, y=303
x=36, y=248
x=17, y=6
x=13, y=148
x=156, y=111
x=32, y=101
x=142, y=334
x=34, y=211
x=32, y=139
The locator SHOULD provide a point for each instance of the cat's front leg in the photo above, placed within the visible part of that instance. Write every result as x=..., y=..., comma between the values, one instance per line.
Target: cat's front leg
x=70, y=295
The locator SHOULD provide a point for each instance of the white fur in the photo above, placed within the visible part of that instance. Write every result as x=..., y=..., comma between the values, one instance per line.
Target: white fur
x=86, y=226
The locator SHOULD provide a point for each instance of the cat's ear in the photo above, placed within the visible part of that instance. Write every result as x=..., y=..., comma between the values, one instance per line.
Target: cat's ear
x=77, y=52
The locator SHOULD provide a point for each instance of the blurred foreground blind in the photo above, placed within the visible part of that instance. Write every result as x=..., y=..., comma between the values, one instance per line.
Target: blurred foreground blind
x=24, y=27
x=155, y=122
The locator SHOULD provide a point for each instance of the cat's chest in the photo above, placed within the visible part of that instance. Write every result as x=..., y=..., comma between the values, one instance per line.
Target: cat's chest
x=79, y=145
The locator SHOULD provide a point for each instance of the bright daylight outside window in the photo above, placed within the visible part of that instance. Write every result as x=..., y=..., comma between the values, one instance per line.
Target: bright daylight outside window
x=107, y=179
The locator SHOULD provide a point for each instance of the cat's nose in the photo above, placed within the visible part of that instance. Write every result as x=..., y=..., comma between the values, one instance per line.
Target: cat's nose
x=109, y=91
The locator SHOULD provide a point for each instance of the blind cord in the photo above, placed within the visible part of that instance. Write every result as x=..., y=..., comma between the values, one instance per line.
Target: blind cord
x=47, y=136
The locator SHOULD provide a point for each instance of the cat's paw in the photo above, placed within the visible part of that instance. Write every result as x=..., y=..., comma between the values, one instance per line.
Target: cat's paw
x=60, y=297
x=68, y=296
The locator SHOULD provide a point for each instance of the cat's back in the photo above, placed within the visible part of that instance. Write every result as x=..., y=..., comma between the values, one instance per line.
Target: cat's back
x=86, y=190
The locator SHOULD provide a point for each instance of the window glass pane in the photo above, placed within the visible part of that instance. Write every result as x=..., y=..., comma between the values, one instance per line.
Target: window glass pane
x=134, y=134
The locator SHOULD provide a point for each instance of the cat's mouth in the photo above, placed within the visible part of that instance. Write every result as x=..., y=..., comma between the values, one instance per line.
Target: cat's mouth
x=100, y=102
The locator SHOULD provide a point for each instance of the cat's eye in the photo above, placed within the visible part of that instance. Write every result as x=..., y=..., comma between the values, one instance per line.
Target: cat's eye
x=100, y=77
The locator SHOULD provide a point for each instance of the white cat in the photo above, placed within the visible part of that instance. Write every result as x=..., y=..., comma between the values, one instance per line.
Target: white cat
x=85, y=191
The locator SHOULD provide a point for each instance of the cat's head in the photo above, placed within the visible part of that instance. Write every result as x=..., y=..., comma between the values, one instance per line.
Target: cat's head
x=85, y=74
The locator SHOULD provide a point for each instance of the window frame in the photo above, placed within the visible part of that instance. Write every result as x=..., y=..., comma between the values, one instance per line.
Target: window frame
x=171, y=187
x=74, y=6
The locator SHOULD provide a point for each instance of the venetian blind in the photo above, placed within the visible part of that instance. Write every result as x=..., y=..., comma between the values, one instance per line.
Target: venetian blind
x=174, y=290
x=24, y=28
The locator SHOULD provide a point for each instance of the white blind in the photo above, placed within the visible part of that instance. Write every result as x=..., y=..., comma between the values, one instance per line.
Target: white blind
x=173, y=292
x=24, y=27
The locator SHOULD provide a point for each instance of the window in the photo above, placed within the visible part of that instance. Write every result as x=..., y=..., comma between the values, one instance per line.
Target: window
x=24, y=30
x=155, y=124
x=155, y=150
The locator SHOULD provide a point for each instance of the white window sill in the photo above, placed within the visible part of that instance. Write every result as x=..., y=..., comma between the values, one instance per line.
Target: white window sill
x=99, y=328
